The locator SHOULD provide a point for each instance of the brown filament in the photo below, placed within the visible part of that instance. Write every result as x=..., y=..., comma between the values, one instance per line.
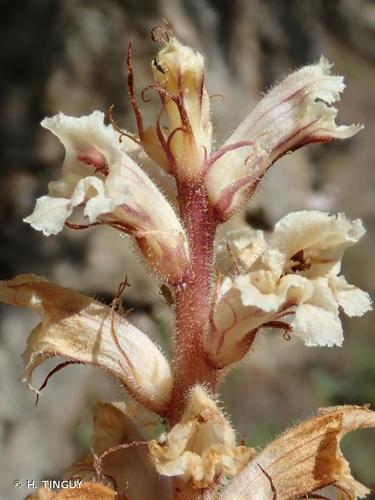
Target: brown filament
x=130, y=86
x=118, y=129
x=52, y=372
x=273, y=489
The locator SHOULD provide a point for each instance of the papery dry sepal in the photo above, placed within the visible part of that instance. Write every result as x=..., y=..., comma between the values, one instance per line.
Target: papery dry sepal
x=304, y=459
x=78, y=328
x=119, y=456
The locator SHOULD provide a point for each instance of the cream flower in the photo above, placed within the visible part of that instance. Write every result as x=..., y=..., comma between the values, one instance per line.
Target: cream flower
x=99, y=176
x=79, y=329
x=201, y=447
x=294, y=113
x=288, y=279
x=179, y=76
x=304, y=460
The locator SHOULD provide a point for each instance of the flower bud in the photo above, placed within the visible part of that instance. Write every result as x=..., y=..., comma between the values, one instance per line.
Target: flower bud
x=179, y=77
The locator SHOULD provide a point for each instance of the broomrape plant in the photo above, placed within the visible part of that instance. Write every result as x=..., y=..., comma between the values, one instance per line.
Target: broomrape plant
x=224, y=293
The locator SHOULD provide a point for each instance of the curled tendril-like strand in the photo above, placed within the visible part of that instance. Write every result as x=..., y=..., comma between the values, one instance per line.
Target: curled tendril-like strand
x=175, y=98
x=161, y=90
x=118, y=129
x=121, y=226
x=162, y=33
x=52, y=372
x=97, y=460
x=269, y=478
x=173, y=133
x=164, y=144
x=117, y=342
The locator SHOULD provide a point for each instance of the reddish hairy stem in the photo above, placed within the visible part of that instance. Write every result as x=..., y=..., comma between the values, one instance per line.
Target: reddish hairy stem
x=193, y=298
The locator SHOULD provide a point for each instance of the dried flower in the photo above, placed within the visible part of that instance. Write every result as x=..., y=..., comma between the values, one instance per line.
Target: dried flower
x=79, y=329
x=304, y=459
x=120, y=456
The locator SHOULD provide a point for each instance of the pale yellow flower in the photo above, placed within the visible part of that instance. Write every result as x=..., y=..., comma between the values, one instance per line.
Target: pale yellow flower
x=201, y=447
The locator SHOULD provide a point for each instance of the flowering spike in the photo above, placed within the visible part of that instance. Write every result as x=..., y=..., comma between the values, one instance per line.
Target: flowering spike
x=131, y=94
x=287, y=281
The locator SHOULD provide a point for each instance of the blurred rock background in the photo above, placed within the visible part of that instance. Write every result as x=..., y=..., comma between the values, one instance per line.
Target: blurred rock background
x=69, y=55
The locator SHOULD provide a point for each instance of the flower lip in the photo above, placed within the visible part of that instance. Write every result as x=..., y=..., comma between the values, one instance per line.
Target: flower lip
x=99, y=177
x=288, y=280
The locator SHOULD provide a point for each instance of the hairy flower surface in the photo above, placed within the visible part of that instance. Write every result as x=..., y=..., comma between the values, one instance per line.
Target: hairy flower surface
x=303, y=460
x=179, y=77
x=201, y=447
x=78, y=328
x=101, y=177
x=296, y=112
x=288, y=279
